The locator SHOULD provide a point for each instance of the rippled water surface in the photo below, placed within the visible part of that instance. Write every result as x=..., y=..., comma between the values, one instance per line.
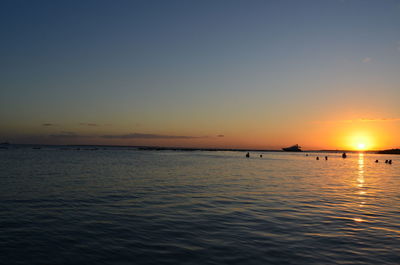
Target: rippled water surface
x=173, y=207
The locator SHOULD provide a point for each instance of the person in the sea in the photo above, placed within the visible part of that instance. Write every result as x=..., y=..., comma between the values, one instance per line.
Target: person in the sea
x=317, y=158
x=248, y=154
x=261, y=156
x=344, y=155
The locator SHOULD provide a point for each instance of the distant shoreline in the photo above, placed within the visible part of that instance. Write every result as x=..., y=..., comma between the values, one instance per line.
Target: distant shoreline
x=188, y=149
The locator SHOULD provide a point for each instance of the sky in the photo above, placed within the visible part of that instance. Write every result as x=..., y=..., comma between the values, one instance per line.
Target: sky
x=224, y=74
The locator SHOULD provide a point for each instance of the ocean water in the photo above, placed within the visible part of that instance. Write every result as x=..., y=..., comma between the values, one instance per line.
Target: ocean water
x=121, y=206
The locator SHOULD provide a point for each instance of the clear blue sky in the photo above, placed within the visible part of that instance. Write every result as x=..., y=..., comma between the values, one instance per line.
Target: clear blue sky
x=76, y=71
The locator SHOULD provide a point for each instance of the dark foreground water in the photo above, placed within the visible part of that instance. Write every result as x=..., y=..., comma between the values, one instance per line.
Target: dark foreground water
x=170, y=207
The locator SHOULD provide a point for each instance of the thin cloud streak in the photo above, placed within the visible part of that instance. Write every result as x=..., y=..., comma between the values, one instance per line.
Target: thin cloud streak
x=361, y=120
x=68, y=135
x=380, y=120
x=88, y=124
x=124, y=136
x=366, y=60
x=149, y=136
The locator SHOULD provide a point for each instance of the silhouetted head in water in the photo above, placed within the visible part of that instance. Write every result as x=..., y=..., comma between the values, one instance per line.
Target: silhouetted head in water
x=326, y=157
x=390, y=161
x=376, y=161
x=260, y=155
x=317, y=158
x=248, y=154
x=344, y=155
x=386, y=161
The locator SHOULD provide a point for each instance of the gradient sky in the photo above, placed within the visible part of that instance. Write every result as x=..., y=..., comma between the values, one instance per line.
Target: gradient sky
x=235, y=74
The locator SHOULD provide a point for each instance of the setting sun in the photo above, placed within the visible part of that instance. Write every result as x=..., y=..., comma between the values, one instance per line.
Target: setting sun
x=361, y=141
x=361, y=146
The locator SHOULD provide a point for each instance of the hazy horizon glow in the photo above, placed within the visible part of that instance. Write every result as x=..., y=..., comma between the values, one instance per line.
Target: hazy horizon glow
x=225, y=74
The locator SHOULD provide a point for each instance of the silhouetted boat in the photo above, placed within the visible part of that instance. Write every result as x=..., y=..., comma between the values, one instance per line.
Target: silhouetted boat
x=293, y=148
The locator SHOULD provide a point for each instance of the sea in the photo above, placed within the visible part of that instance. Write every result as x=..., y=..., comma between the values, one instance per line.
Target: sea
x=129, y=206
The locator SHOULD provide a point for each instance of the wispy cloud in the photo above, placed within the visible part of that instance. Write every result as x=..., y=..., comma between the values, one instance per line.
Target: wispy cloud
x=367, y=60
x=124, y=136
x=149, y=136
x=361, y=120
x=220, y=135
x=378, y=119
x=48, y=124
x=88, y=124
x=67, y=135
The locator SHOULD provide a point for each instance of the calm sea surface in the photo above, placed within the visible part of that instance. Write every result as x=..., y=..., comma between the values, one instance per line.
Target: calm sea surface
x=120, y=206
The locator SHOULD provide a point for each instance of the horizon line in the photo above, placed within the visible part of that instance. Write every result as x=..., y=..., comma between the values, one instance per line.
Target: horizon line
x=152, y=147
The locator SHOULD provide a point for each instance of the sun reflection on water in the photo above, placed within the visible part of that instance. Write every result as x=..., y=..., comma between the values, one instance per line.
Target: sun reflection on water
x=360, y=183
x=360, y=178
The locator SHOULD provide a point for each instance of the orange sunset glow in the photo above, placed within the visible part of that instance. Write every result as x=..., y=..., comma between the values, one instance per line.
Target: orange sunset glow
x=228, y=86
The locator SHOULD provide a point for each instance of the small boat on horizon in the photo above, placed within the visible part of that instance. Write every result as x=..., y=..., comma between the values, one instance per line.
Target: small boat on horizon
x=293, y=148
